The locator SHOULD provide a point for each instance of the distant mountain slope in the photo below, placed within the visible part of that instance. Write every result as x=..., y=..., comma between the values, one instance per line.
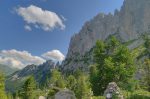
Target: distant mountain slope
x=7, y=70
x=40, y=72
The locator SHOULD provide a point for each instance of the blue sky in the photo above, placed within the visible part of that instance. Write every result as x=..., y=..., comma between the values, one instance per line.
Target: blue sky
x=13, y=35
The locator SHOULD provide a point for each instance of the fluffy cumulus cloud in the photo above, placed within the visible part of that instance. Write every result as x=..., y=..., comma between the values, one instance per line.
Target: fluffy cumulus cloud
x=37, y=17
x=54, y=55
x=19, y=59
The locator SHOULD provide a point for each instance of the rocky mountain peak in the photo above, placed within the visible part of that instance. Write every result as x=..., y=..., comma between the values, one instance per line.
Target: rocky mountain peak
x=132, y=20
x=49, y=63
x=35, y=70
x=28, y=70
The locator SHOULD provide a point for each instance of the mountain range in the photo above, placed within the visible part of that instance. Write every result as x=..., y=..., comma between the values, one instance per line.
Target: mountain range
x=40, y=72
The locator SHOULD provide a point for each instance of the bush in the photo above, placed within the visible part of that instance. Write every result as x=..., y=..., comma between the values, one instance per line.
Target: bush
x=139, y=94
x=98, y=97
x=136, y=96
x=52, y=92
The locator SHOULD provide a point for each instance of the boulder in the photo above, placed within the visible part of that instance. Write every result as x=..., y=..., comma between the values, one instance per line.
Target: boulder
x=65, y=94
x=113, y=89
x=42, y=97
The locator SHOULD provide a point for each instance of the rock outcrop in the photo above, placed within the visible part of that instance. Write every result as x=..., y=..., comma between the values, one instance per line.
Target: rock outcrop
x=42, y=97
x=65, y=94
x=113, y=89
x=129, y=23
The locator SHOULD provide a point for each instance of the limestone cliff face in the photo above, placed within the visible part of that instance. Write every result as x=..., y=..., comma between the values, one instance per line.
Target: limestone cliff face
x=130, y=22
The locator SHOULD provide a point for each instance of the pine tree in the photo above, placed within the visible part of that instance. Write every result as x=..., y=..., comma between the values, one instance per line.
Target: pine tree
x=29, y=88
x=83, y=89
x=9, y=96
x=146, y=65
x=55, y=76
x=71, y=82
x=94, y=79
x=113, y=63
x=2, y=87
x=146, y=76
x=61, y=83
x=147, y=45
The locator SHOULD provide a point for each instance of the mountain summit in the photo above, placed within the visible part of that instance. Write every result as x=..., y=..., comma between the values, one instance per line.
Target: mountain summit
x=129, y=23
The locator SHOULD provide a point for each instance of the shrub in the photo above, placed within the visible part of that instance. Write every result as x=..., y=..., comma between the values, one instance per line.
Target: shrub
x=98, y=97
x=139, y=94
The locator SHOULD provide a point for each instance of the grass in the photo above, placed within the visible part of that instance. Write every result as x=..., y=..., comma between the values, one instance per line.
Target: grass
x=98, y=97
x=138, y=94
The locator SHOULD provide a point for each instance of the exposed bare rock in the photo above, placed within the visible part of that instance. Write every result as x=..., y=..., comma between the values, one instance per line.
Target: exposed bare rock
x=129, y=23
x=42, y=97
x=65, y=94
x=113, y=89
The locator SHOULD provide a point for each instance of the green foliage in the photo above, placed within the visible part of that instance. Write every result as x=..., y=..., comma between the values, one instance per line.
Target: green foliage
x=83, y=90
x=79, y=84
x=113, y=63
x=77, y=73
x=146, y=66
x=57, y=79
x=94, y=79
x=98, y=97
x=9, y=96
x=52, y=92
x=71, y=82
x=131, y=86
x=138, y=94
x=61, y=83
x=2, y=87
x=147, y=44
x=146, y=75
x=55, y=75
x=29, y=88
x=14, y=85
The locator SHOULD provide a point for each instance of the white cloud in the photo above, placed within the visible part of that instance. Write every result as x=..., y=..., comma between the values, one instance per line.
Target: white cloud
x=54, y=54
x=19, y=59
x=28, y=28
x=44, y=19
x=11, y=62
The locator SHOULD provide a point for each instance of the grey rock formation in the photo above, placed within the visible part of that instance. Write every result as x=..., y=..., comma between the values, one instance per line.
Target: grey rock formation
x=42, y=97
x=65, y=94
x=35, y=70
x=28, y=70
x=113, y=89
x=130, y=22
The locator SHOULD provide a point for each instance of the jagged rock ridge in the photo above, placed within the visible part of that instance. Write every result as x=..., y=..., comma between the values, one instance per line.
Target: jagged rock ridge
x=129, y=23
x=40, y=72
